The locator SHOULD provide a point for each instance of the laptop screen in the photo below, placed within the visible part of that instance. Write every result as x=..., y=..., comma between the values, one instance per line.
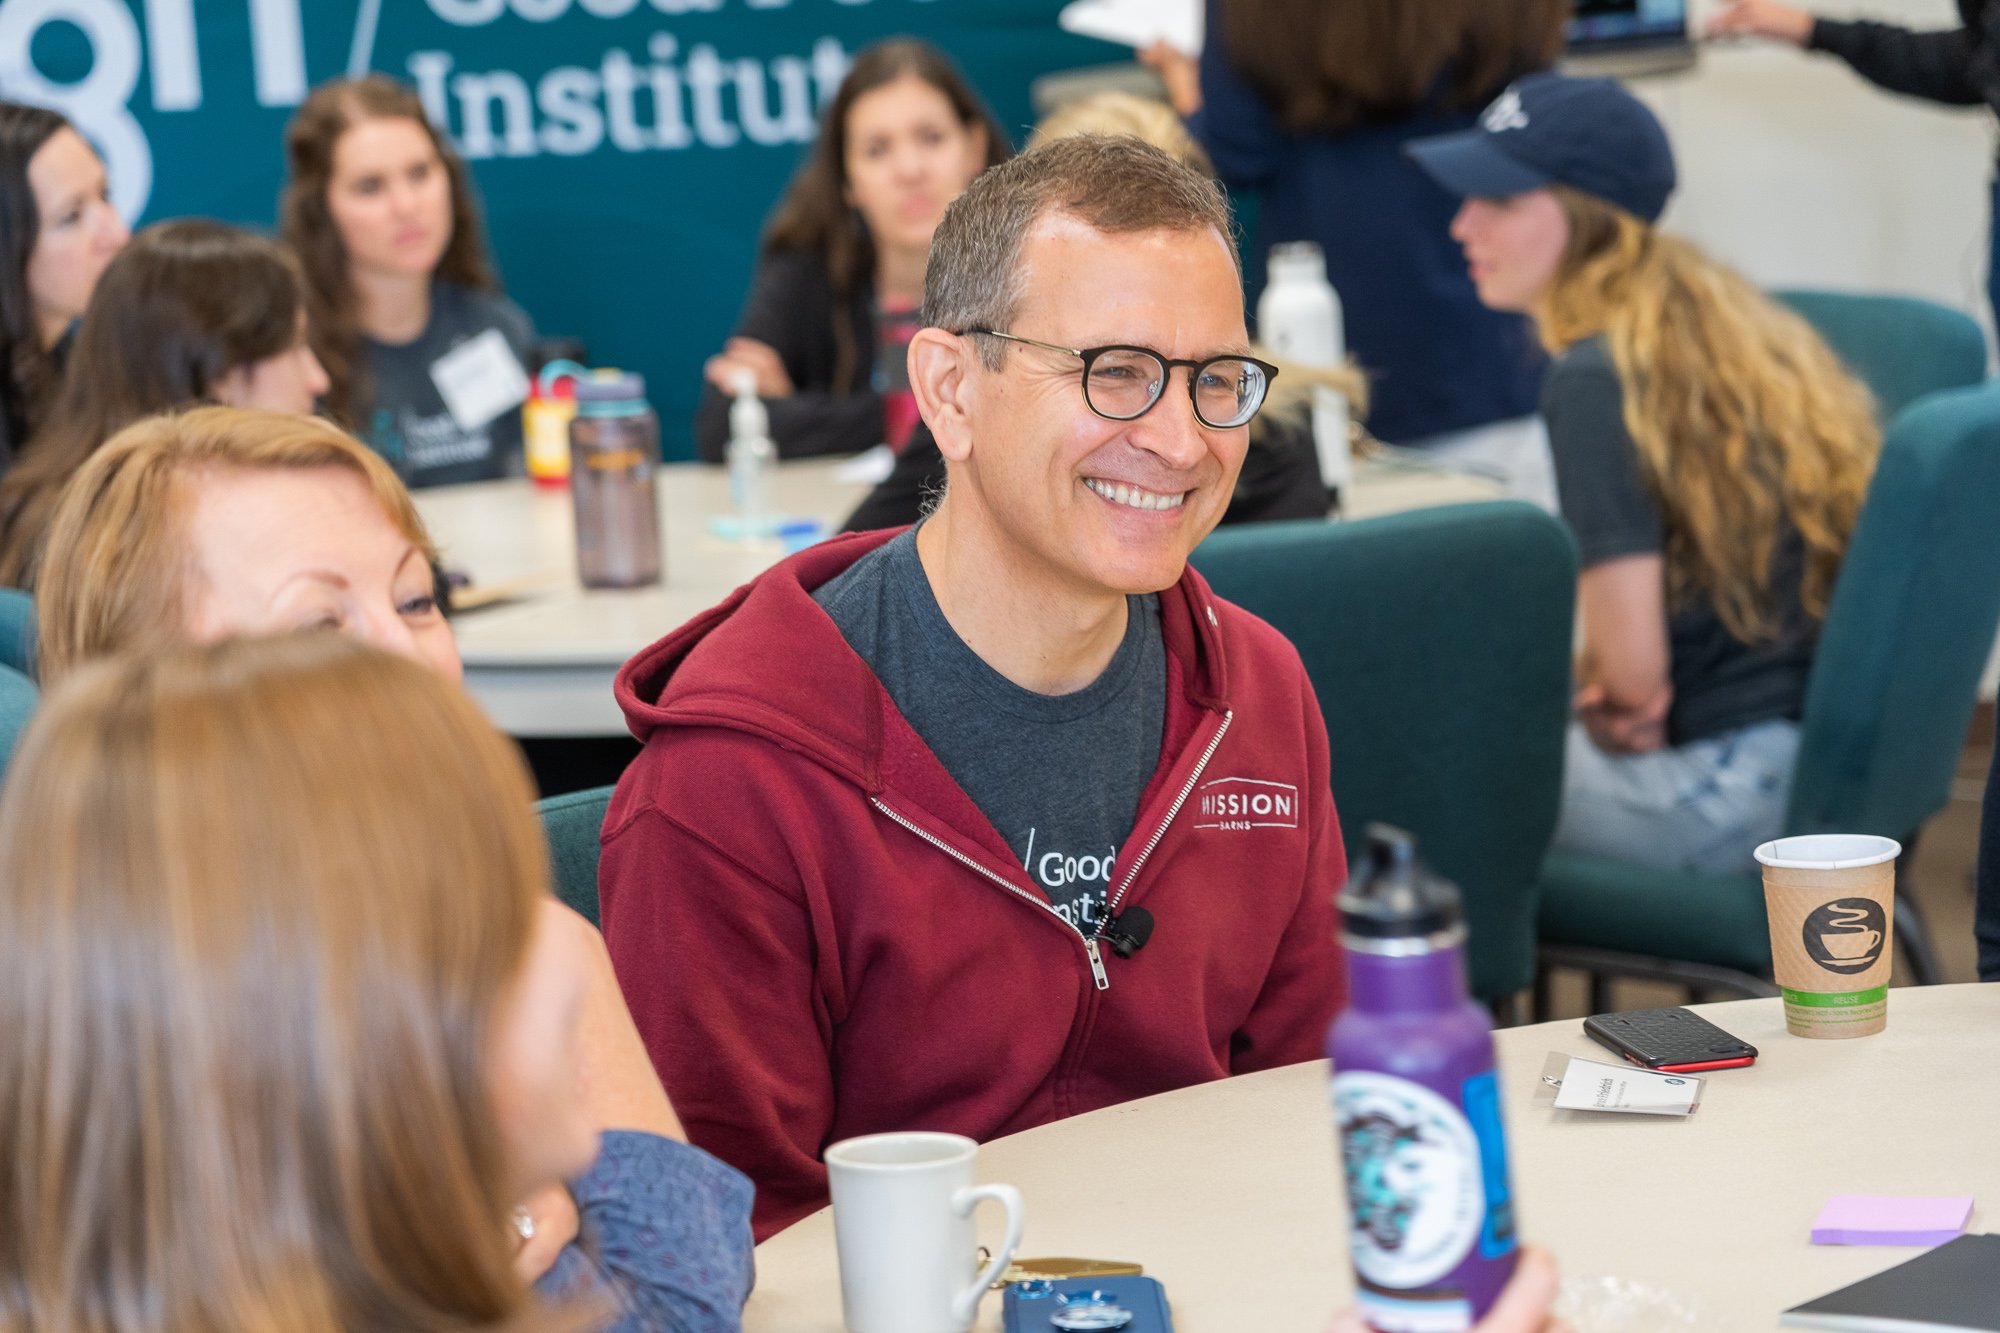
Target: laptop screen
x=1605, y=25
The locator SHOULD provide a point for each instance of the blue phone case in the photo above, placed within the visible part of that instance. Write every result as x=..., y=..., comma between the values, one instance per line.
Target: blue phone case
x=1143, y=1296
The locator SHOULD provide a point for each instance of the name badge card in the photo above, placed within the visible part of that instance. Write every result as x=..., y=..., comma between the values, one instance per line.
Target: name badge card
x=479, y=379
x=1587, y=1085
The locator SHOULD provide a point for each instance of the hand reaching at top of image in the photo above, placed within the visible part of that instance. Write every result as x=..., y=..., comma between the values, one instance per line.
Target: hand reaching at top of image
x=1178, y=71
x=1762, y=18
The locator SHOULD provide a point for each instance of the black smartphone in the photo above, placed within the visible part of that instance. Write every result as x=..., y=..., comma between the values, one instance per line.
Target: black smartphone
x=1673, y=1041
x=1128, y=1304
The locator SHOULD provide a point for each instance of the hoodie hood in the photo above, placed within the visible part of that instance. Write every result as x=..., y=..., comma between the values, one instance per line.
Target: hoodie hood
x=767, y=660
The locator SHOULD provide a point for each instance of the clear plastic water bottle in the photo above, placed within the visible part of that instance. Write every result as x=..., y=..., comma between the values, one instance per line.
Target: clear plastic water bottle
x=1298, y=317
x=614, y=444
x=751, y=457
x=1417, y=1104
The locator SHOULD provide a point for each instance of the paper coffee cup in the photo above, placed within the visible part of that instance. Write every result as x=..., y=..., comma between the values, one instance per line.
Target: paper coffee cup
x=1831, y=899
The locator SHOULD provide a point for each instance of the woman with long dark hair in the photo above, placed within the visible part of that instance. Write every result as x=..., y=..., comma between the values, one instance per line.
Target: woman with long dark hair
x=382, y=215
x=192, y=311
x=841, y=276
x=1309, y=104
x=57, y=232
x=1712, y=456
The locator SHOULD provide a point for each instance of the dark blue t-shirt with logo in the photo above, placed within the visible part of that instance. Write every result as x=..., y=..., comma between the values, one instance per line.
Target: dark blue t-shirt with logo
x=406, y=420
x=1059, y=776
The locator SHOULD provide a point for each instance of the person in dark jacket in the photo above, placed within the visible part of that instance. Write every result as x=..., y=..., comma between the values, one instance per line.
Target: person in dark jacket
x=834, y=300
x=1956, y=66
x=1309, y=104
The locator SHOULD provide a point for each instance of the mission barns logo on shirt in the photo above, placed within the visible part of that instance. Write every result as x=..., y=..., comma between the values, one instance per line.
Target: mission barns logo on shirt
x=1246, y=803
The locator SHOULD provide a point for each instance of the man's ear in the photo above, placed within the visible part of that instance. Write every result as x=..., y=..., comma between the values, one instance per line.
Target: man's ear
x=941, y=370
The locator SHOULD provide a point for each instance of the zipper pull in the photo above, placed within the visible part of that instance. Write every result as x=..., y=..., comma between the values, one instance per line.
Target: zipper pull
x=1096, y=965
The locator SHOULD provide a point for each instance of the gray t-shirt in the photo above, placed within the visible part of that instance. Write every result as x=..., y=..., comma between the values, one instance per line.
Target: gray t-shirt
x=406, y=421
x=1059, y=776
x=1720, y=682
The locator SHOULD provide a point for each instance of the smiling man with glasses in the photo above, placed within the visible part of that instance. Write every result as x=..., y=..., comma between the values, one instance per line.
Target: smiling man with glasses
x=1003, y=817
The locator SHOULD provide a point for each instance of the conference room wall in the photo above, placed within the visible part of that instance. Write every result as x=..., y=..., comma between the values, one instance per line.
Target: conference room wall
x=632, y=230
x=1793, y=168
x=1802, y=174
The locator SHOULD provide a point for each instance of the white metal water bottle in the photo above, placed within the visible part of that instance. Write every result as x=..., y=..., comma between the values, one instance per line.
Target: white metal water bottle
x=1298, y=317
x=751, y=455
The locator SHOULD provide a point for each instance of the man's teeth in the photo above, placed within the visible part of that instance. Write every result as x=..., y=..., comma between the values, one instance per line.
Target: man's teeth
x=1133, y=496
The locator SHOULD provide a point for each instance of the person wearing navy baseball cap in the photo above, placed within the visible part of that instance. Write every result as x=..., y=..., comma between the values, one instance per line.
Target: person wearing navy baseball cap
x=1711, y=457
x=1549, y=129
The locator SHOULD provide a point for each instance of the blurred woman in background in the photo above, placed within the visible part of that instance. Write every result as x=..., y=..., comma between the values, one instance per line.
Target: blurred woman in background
x=278, y=959
x=1309, y=105
x=191, y=312
x=57, y=232
x=1712, y=456
x=382, y=215
x=840, y=279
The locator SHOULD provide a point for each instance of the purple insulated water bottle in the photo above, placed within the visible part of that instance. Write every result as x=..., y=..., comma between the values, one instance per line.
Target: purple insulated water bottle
x=1430, y=1211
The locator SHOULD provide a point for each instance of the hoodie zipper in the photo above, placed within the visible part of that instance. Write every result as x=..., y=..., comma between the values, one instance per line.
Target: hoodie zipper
x=1214, y=742
x=1090, y=942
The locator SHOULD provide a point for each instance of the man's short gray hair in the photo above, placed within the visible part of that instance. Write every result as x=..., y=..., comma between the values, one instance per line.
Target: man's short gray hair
x=1115, y=184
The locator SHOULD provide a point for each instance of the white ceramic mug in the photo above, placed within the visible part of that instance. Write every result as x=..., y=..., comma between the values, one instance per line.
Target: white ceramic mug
x=902, y=1222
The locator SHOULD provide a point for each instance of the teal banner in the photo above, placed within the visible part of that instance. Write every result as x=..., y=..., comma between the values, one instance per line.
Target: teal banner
x=626, y=150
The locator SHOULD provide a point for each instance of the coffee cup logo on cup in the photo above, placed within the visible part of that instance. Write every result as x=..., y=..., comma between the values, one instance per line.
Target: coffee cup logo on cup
x=1845, y=935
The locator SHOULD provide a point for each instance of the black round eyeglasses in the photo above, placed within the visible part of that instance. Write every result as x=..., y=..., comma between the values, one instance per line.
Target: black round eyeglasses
x=1121, y=382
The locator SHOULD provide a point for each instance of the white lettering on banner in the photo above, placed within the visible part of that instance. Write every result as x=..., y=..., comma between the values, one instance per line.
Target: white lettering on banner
x=98, y=102
x=176, y=66
x=579, y=107
x=660, y=103
x=1246, y=803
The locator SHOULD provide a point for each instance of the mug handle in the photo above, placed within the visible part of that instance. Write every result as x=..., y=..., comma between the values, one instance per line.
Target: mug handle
x=966, y=1303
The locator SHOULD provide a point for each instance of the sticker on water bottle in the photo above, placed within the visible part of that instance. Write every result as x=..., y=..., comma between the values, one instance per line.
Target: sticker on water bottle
x=1481, y=1096
x=1415, y=1189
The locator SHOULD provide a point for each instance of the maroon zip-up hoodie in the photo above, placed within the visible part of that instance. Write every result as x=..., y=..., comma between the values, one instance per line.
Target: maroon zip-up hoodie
x=820, y=935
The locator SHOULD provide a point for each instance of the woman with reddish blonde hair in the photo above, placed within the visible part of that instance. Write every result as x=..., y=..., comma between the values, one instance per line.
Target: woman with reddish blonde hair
x=220, y=521
x=293, y=1022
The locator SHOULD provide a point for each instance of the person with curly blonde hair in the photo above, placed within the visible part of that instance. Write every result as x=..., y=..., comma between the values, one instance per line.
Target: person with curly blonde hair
x=1711, y=455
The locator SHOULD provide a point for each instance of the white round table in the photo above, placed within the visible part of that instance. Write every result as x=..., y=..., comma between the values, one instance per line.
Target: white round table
x=541, y=662
x=1230, y=1194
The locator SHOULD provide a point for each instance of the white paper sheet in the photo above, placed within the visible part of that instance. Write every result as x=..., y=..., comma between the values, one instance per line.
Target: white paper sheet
x=1137, y=23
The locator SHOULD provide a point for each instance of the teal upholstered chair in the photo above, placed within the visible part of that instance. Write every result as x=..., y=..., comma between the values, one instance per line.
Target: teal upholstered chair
x=574, y=824
x=1438, y=642
x=1901, y=347
x=17, y=631
x=1886, y=712
x=18, y=697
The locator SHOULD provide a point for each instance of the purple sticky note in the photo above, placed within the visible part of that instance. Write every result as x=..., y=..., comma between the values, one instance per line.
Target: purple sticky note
x=1891, y=1219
